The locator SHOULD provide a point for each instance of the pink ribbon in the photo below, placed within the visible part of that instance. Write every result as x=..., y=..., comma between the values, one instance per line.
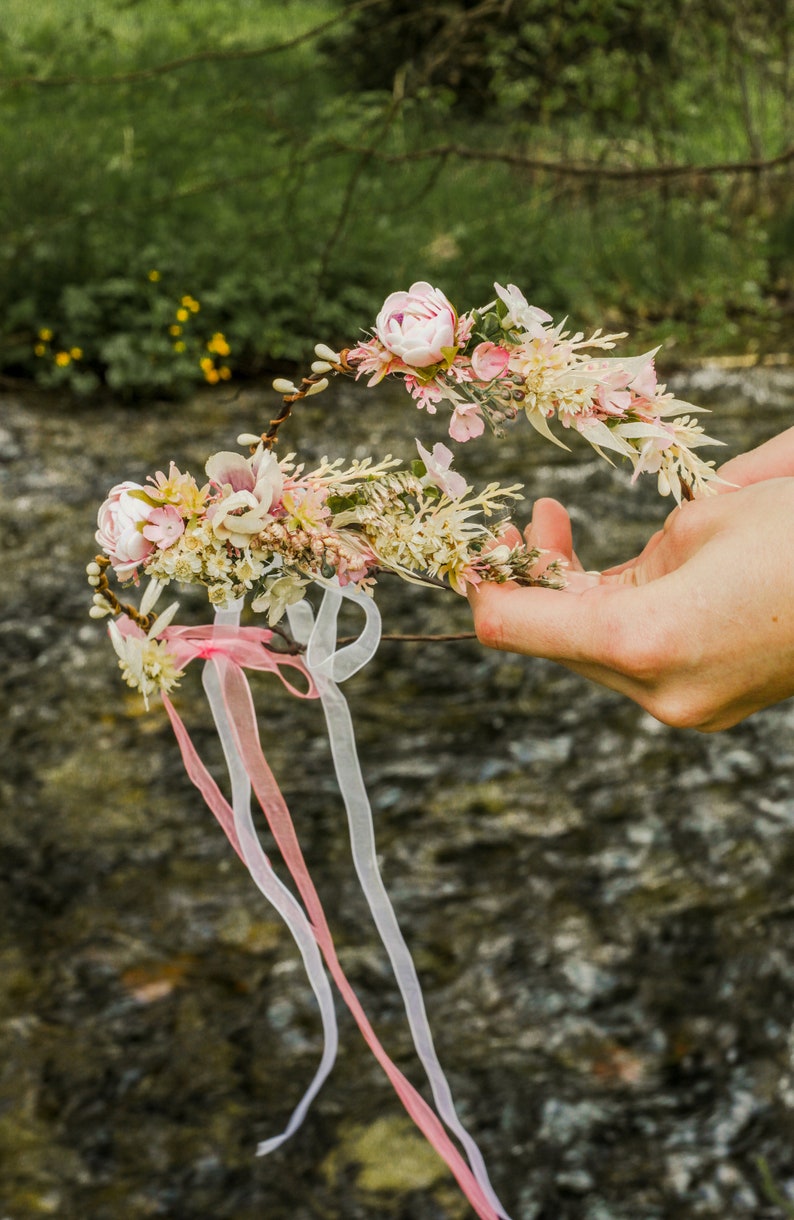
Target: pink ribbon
x=246, y=647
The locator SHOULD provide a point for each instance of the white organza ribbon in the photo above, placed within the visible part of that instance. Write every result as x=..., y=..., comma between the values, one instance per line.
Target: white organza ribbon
x=273, y=889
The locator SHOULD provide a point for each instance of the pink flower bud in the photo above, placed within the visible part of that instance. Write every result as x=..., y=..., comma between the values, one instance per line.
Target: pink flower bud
x=489, y=361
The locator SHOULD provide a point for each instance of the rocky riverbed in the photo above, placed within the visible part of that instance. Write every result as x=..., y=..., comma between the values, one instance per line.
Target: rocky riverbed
x=601, y=908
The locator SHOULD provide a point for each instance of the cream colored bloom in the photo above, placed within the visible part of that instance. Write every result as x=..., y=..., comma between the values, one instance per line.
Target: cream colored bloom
x=146, y=663
x=277, y=595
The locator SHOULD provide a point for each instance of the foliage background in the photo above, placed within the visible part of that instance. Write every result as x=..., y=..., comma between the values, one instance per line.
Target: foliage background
x=285, y=165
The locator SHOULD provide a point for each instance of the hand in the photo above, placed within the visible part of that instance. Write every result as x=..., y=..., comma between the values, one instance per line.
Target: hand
x=698, y=629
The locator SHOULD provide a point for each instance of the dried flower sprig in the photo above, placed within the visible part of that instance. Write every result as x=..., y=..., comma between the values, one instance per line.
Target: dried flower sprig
x=266, y=529
x=507, y=358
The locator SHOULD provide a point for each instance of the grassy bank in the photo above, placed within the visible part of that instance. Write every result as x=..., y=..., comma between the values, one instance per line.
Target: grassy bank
x=194, y=193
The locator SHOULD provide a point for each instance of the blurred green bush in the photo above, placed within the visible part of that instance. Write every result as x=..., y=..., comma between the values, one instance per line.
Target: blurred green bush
x=285, y=165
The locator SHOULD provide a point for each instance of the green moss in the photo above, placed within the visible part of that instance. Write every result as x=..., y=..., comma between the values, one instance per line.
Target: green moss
x=389, y=1155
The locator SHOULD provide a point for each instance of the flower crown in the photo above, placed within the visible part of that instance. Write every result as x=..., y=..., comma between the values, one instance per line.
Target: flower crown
x=265, y=529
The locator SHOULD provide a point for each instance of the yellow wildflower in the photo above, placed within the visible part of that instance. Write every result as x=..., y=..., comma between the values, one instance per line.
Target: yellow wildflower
x=154, y=276
x=179, y=346
x=40, y=349
x=219, y=344
x=182, y=315
x=212, y=376
x=45, y=335
x=62, y=359
x=224, y=372
x=206, y=363
x=176, y=329
x=76, y=353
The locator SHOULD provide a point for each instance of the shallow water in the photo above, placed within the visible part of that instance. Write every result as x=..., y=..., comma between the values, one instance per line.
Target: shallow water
x=600, y=908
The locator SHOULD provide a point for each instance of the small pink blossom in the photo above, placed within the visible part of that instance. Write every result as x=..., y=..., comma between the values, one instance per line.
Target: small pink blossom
x=460, y=372
x=520, y=314
x=417, y=326
x=466, y=422
x=178, y=489
x=438, y=465
x=644, y=384
x=371, y=357
x=652, y=451
x=164, y=526
x=464, y=328
x=425, y=393
x=352, y=567
x=489, y=361
x=613, y=402
x=121, y=520
x=304, y=505
x=468, y=576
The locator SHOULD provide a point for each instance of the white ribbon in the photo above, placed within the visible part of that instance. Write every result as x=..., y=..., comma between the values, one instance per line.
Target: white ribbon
x=273, y=889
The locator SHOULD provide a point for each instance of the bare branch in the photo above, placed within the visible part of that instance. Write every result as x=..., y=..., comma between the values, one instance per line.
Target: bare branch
x=573, y=169
x=292, y=648
x=417, y=639
x=198, y=57
x=368, y=153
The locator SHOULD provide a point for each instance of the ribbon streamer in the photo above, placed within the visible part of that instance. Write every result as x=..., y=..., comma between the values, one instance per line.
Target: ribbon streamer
x=230, y=649
x=238, y=825
x=329, y=666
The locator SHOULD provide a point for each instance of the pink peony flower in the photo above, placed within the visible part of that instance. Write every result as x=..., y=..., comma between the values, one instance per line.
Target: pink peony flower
x=489, y=361
x=164, y=526
x=121, y=520
x=416, y=326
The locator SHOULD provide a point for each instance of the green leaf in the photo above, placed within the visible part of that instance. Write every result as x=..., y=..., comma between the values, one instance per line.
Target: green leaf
x=147, y=499
x=342, y=504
